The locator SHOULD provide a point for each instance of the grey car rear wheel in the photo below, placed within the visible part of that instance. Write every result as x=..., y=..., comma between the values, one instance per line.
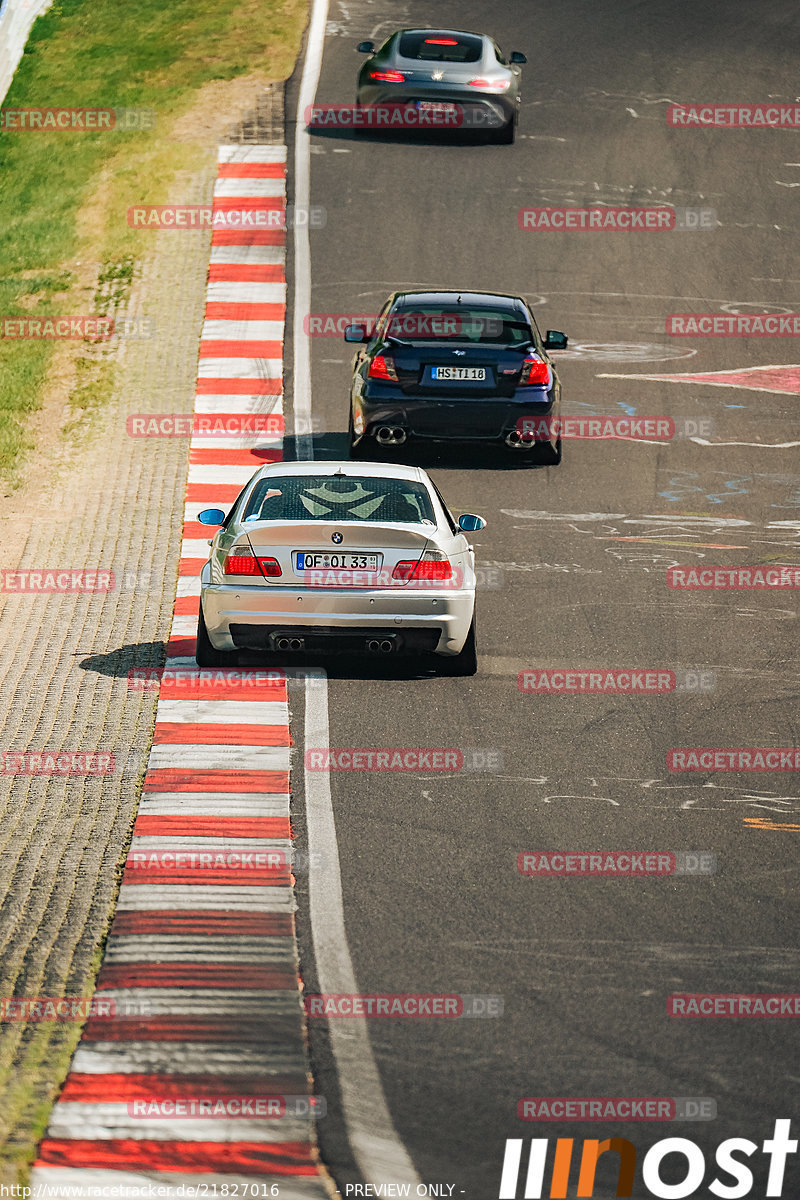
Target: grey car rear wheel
x=506, y=134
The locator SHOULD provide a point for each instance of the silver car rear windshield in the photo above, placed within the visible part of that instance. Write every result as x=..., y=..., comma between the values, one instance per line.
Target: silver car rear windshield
x=339, y=498
x=440, y=47
x=431, y=323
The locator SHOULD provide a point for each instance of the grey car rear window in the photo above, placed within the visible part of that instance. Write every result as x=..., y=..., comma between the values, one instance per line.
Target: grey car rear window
x=339, y=498
x=440, y=47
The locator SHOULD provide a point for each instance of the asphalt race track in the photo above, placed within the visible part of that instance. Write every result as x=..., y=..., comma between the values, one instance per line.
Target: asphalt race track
x=575, y=560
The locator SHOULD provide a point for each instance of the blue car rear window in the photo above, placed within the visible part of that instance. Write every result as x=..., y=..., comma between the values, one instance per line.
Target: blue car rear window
x=339, y=498
x=426, y=322
x=440, y=47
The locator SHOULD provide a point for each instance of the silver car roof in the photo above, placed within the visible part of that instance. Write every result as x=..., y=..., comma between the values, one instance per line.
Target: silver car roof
x=346, y=467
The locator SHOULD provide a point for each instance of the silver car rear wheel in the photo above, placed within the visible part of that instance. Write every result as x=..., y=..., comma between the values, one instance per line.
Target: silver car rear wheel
x=205, y=654
x=466, y=661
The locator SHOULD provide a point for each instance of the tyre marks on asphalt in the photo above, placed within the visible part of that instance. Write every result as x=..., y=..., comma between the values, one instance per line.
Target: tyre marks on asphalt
x=198, y=998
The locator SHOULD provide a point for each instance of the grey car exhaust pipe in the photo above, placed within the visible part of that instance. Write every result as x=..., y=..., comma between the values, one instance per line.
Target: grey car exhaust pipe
x=514, y=438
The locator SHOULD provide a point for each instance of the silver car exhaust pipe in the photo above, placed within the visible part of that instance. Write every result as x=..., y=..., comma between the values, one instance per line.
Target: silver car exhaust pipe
x=287, y=643
x=380, y=645
x=391, y=435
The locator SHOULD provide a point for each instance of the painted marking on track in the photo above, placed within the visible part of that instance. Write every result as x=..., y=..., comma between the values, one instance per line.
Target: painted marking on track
x=754, y=445
x=668, y=542
x=782, y=379
x=763, y=823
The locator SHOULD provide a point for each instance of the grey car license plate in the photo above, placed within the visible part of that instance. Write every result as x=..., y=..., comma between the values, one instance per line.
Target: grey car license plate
x=437, y=107
x=439, y=373
x=307, y=560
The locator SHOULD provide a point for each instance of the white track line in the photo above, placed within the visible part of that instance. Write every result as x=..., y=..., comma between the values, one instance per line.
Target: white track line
x=377, y=1149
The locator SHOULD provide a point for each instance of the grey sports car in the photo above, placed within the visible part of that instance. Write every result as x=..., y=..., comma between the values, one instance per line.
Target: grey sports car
x=447, y=78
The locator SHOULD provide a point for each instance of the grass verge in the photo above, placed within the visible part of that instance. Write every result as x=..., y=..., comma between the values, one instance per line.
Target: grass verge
x=65, y=194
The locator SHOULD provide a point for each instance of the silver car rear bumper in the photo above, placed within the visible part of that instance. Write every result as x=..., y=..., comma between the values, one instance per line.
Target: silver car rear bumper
x=400, y=611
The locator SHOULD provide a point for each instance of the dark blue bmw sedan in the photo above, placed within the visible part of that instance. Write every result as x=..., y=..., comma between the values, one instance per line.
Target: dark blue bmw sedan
x=455, y=367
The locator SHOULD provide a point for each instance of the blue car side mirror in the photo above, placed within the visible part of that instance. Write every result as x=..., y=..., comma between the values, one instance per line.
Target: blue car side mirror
x=470, y=523
x=365, y=47
x=211, y=516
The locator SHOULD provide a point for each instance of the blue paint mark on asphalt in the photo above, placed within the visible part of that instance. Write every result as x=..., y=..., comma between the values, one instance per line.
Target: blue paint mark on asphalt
x=682, y=486
x=686, y=485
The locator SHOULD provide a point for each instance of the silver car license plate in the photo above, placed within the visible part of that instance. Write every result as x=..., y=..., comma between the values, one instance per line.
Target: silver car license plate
x=313, y=560
x=438, y=373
